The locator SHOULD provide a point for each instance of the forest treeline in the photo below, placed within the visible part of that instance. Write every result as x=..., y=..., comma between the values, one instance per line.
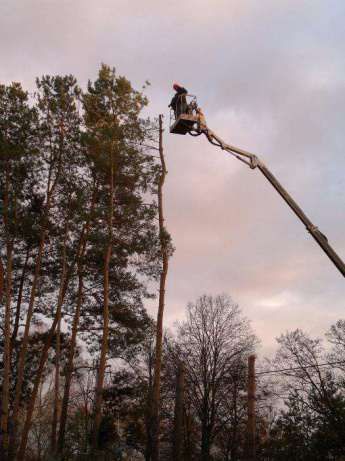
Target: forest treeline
x=83, y=247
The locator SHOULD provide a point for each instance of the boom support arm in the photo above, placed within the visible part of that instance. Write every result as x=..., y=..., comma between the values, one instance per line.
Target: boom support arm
x=254, y=162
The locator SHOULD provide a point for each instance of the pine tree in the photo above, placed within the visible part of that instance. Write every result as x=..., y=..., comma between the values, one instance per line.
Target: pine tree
x=127, y=238
x=17, y=165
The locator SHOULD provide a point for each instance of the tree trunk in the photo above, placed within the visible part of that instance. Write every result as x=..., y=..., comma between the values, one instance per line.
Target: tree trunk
x=178, y=420
x=251, y=450
x=159, y=331
x=25, y=340
x=69, y=371
x=205, y=443
x=188, y=436
x=56, y=409
x=7, y=329
x=105, y=335
x=43, y=359
x=2, y=275
x=7, y=355
x=148, y=412
x=44, y=354
x=76, y=318
x=19, y=300
x=56, y=406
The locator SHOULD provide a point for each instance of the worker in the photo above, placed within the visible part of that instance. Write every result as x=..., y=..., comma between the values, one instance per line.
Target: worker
x=179, y=102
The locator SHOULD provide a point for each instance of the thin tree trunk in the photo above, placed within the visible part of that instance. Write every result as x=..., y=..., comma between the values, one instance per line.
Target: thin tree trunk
x=205, y=443
x=2, y=275
x=43, y=359
x=7, y=329
x=178, y=419
x=65, y=277
x=25, y=340
x=69, y=373
x=73, y=342
x=58, y=344
x=159, y=331
x=56, y=405
x=148, y=410
x=251, y=421
x=19, y=300
x=104, y=347
x=188, y=436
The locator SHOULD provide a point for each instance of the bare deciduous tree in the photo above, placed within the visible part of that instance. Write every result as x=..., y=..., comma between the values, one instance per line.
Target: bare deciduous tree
x=213, y=344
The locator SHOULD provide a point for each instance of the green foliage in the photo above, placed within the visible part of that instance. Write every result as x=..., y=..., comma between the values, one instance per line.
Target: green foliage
x=55, y=152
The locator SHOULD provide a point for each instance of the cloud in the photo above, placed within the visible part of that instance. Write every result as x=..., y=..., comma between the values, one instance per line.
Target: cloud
x=270, y=78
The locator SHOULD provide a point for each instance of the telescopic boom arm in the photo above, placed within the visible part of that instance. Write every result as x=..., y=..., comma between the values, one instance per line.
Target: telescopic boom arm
x=254, y=162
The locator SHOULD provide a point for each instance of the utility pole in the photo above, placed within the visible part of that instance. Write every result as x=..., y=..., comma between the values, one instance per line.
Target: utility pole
x=178, y=419
x=251, y=446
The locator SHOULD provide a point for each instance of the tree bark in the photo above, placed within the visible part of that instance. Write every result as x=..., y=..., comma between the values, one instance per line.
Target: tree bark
x=76, y=318
x=56, y=405
x=2, y=275
x=19, y=300
x=69, y=371
x=56, y=408
x=105, y=335
x=251, y=451
x=7, y=329
x=161, y=303
x=205, y=442
x=178, y=420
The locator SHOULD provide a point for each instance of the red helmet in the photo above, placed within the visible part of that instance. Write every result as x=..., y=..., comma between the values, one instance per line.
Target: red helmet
x=176, y=86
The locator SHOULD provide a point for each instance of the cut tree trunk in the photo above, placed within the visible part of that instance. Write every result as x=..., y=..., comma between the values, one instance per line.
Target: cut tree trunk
x=159, y=331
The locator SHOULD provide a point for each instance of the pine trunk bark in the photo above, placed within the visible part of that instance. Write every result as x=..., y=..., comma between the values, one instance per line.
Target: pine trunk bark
x=7, y=330
x=56, y=407
x=7, y=355
x=69, y=373
x=105, y=334
x=76, y=318
x=159, y=332
x=2, y=283
x=19, y=300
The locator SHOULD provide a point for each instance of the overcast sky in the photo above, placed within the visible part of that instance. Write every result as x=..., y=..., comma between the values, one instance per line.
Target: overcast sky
x=270, y=77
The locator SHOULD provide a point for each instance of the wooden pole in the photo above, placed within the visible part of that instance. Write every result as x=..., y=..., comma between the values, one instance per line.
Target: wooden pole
x=178, y=420
x=251, y=449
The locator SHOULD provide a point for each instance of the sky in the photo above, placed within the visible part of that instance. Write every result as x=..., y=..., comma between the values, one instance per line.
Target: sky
x=270, y=77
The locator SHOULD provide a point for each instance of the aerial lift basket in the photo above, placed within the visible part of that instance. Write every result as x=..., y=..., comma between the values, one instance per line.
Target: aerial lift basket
x=183, y=120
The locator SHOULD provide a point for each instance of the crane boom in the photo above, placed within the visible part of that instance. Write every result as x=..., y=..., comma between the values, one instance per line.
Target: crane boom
x=254, y=162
